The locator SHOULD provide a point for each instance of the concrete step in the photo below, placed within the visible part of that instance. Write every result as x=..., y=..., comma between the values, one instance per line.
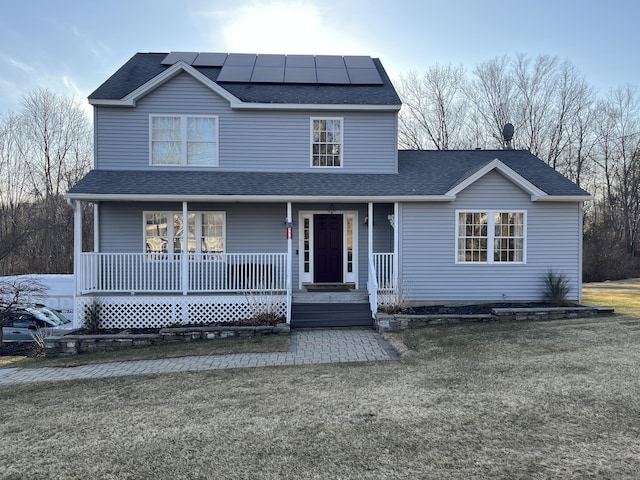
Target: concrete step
x=307, y=315
x=354, y=296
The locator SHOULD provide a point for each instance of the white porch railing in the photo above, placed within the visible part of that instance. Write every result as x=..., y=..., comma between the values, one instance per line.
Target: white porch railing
x=383, y=268
x=372, y=287
x=161, y=272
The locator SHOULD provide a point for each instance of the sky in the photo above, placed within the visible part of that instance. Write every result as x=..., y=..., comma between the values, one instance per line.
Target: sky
x=72, y=46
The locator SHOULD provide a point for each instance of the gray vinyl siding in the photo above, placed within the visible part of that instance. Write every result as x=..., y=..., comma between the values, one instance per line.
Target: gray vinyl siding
x=428, y=246
x=249, y=228
x=277, y=141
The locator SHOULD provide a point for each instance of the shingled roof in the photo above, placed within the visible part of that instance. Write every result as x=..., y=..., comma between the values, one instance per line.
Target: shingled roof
x=424, y=173
x=144, y=67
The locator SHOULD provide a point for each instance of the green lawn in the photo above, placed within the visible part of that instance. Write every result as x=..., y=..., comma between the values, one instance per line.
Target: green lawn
x=558, y=399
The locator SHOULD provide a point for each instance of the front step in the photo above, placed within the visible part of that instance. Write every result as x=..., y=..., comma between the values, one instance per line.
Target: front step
x=354, y=296
x=315, y=315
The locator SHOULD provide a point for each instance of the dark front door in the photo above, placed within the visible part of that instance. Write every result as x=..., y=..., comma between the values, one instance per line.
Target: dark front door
x=327, y=248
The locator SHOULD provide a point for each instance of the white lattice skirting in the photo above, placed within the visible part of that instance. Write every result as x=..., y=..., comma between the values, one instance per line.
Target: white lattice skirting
x=157, y=312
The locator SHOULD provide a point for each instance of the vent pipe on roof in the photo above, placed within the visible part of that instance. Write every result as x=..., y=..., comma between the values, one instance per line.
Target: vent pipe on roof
x=507, y=133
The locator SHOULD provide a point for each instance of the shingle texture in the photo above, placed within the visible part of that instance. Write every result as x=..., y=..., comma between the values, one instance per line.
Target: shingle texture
x=143, y=67
x=420, y=173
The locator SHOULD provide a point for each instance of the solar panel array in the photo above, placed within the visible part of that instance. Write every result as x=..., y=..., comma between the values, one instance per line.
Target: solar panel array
x=268, y=68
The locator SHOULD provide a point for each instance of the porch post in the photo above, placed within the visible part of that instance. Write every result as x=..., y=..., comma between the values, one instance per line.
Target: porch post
x=184, y=259
x=289, y=262
x=77, y=245
x=370, y=231
x=96, y=227
x=396, y=246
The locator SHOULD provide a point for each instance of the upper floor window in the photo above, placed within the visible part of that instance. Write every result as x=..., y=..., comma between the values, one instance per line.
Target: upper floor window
x=490, y=237
x=164, y=232
x=183, y=140
x=326, y=142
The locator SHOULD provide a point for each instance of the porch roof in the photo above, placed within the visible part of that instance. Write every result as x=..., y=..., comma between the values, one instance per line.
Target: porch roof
x=422, y=176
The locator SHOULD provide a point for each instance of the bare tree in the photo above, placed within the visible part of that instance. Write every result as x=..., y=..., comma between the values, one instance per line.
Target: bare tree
x=491, y=93
x=44, y=150
x=434, y=109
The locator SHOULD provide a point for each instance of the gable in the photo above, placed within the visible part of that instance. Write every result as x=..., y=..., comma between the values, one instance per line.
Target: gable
x=506, y=172
x=493, y=190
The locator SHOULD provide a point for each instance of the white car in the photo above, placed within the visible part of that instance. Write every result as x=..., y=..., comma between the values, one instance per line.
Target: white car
x=23, y=321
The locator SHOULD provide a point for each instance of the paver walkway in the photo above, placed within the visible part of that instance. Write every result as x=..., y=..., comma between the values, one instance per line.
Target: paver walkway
x=307, y=346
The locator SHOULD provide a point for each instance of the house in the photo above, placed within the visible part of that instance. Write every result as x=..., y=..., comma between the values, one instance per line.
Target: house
x=227, y=184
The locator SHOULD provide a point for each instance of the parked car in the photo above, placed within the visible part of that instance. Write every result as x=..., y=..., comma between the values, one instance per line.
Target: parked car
x=26, y=320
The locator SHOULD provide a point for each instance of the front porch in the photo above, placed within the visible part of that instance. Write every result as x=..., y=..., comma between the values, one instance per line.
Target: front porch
x=165, y=286
x=156, y=290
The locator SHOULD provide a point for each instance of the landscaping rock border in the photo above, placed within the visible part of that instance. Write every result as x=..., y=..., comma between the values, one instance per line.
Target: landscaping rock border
x=74, y=344
x=386, y=322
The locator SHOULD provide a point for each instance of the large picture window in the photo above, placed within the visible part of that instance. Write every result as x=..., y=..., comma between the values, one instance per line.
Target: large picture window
x=490, y=237
x=164, y=232
x=326, y=142
x=183, y=140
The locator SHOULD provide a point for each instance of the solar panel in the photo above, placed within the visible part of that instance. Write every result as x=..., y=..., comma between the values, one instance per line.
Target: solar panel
x=268, y=74
x=175, y=57
x=300, y=75
x=230, y=73
x=329, y=61
x=269, y=60
x=358, y=61
x=210, y=60
x=332, y=75
x=240, y=60
x=301, y=61
x=364, y=76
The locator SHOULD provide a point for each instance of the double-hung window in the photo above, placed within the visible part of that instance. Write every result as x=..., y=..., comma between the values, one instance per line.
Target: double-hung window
x=326, y=142
x=183, y=140
x=164, y=232
x=490, y=236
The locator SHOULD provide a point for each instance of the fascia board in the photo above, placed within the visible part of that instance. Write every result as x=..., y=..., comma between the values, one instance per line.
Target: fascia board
x=562, y=198
x=89, y=197
x=496, y=164
x=314, y=106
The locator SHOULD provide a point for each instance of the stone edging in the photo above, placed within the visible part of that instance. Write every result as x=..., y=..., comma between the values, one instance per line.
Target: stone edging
x=68, y=345
x=389, y=322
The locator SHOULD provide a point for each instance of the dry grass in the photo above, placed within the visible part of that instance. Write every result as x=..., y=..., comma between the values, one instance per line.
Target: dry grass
x=219, y=346
x=557, y=399
x=623, y=295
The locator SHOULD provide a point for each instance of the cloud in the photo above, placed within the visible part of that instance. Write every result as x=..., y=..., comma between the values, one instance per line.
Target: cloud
x=18, y=64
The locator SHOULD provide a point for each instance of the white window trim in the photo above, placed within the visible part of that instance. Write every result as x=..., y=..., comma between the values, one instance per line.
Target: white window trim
x=170, y=232
x=183, y=140
x=312, y=119
x=490, y=235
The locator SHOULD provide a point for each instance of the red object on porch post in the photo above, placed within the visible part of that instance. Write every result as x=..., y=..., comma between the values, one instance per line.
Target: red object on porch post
x=289, y=231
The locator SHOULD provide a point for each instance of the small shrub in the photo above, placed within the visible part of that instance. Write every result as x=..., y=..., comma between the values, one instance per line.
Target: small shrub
x=92, y=316
x=393, y=300
x=556, y=287
x=39, y=335
x=264, y=308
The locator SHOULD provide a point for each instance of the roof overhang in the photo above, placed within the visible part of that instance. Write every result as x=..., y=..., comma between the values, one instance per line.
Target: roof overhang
x=235, y=103
x=89, y=197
